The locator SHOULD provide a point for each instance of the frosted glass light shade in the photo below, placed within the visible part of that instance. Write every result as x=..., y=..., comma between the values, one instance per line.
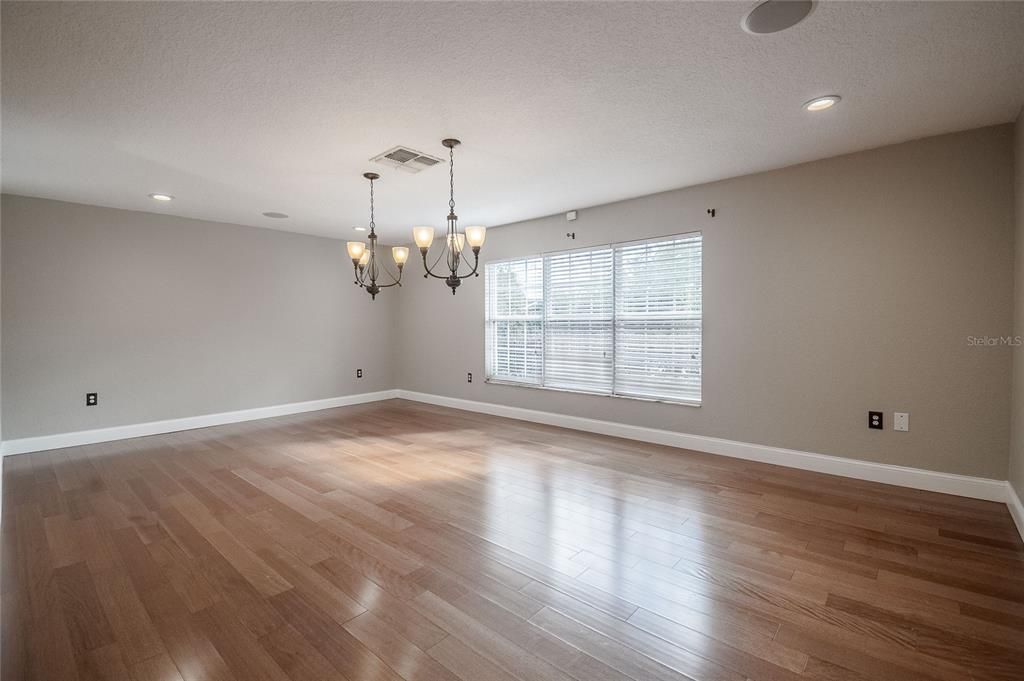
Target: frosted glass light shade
x=456, y=242
x=400, y=254
x=364, y=258
x=475, y=236
x=356, y=249
x=423, y=236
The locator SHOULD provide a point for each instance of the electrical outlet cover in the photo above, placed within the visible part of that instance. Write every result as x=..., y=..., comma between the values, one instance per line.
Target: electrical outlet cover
x=875, y=420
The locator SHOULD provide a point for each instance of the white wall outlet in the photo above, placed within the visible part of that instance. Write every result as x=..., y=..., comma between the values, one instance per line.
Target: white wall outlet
x=901, y=421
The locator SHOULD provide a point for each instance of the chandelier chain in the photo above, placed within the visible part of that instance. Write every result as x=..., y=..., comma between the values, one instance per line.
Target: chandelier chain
x=451, y=177
x=371, y=207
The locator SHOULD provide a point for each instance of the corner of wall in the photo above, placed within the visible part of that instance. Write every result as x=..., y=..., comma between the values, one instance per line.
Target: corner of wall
x=1015, y=473
x=1, y=368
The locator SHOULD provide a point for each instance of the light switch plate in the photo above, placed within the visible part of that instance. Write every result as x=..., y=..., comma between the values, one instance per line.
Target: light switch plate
x=901, y=421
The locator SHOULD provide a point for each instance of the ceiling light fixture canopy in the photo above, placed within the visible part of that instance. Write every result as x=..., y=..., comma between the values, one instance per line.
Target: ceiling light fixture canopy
x=453, y=250
x=822, y=103
x=161, y=197
x=364, y=258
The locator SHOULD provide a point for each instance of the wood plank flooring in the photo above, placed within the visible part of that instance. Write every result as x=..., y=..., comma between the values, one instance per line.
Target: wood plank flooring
x=399, y=541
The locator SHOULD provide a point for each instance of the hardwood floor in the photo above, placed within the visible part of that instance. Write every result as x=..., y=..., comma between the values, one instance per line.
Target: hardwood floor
x=402, y=541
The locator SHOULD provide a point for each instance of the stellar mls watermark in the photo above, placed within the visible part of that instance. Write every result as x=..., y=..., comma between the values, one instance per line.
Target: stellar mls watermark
x=995, y=341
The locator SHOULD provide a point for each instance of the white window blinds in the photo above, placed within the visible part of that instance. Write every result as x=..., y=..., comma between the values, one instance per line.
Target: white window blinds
x=658, y=319
x=515, y=313
x=578, y=321
x=616, y=320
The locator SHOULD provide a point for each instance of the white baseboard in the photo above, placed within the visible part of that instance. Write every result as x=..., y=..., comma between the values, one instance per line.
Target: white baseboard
x=88, y=437
x=948, y=483
x=934, y=481
x=1016, y=508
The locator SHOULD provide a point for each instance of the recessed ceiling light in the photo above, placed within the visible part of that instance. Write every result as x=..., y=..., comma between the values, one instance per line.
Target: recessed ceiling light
x=359, y=229
x=161, y=197
x=776, y=15
x=822, y=103
x=276, y=216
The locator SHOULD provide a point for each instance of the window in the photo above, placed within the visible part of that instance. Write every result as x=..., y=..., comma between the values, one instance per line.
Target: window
x=515, y=314
x=616, y=320
x=578, y=321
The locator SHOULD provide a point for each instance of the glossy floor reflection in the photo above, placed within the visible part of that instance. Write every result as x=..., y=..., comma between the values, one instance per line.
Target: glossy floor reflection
x=402, y=541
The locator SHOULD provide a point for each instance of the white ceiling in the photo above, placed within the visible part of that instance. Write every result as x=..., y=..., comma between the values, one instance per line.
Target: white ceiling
x=241, y=108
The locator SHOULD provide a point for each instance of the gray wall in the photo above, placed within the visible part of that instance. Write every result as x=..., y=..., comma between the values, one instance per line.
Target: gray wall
x=1017, y=425
x=830, y=288
x=167, y=317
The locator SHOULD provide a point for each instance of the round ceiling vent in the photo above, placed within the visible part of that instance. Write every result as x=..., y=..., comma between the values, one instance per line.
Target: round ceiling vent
x=776, y=15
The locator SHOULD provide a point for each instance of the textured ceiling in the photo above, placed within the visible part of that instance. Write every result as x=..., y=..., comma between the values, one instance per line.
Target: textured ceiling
x=241, y=108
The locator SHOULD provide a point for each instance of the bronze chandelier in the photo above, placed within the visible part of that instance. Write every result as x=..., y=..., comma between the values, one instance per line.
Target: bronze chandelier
x=364, y=259
x=453, y=250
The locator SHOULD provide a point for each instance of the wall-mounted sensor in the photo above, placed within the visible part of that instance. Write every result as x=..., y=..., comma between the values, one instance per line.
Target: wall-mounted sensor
x=570, y=216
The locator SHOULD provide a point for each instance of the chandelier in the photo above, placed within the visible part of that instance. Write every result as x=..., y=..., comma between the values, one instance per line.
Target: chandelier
x=364, y=259
x=455, y=242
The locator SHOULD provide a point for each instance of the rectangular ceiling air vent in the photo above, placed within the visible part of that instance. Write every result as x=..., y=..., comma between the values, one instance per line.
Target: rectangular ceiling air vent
x=409, y=160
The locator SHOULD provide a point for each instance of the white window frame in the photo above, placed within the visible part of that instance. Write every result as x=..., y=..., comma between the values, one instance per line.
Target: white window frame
x=488, y=378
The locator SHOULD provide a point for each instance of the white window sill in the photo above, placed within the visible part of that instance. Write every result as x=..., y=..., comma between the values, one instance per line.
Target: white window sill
x=517, y=384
